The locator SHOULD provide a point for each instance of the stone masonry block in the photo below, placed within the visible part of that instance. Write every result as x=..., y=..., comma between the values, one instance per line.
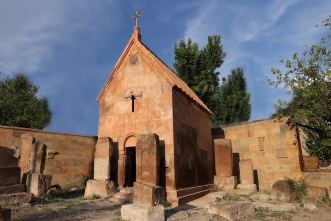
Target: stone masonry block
x=37, y=157
x=147, y=195
x=104, y=147
x=103, y=188
x=102, y=166
x=315, y=192
x=281, y=190
x=15, y=199
x=232, y=210
x=14, y=152
x=226, y=182
x=223, y=157
x=10, y=176
x=38, y=184
x=27, y=141
x=147, y=159
x=246, y=171
x=132, y=212
x=12, y=189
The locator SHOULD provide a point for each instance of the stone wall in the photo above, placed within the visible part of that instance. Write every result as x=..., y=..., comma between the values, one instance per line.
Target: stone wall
x=275, y=150
x=194, y=155
x=69, y=156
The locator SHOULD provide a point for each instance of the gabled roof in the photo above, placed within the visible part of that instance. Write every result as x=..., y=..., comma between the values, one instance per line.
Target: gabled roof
x=171, y=76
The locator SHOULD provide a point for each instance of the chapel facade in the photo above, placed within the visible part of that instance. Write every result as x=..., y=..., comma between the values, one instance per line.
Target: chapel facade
x=143, y=95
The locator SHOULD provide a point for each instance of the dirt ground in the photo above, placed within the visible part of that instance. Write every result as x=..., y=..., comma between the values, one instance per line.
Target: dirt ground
x=78, y=208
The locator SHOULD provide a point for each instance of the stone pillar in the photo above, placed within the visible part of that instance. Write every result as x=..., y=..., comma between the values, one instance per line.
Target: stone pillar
x=147, y=193
x=101, y=184
x=37, y=158
x=224, y=164
x=38, y=184
x=27, y=141
x=121, y=170
x=147, y=159
x=246, y=175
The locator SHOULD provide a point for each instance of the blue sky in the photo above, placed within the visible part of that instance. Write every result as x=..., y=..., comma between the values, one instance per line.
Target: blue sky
x=69, y=48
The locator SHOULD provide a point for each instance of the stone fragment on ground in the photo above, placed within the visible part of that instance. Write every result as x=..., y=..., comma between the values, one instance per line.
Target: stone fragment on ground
x=315, y=192
x=309, y=202
x=178, y=216
x=219, y=194
x=232, y=210
x=281, y=191
x=275, y=206
x=133, y=212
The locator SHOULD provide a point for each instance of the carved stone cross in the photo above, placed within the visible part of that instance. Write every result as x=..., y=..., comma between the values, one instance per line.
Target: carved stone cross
x=135, y=16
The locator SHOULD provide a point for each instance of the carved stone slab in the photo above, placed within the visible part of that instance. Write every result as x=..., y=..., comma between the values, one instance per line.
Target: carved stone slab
x=281, y=152
x=27, y=141
x=246, y=171
x=223, y=157
x=37, y=157
x=147, y=159
x=104, y=147
x=102, y=168
x=145, y=194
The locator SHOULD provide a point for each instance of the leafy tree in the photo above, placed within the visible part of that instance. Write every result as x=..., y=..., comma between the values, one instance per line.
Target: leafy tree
x=20, y=106
x=235, y=103
x=308, y=79
x=198, y=68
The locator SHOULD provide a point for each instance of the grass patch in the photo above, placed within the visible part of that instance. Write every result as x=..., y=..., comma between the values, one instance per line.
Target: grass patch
x=67, y=192
x=263, y=213
x=298, y=188
x=117, y=213
x=165, y=203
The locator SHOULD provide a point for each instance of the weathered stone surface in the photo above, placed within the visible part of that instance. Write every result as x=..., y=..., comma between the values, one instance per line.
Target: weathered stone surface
x=178, y=216
x=27, y=141
x=281, y=190
x=147, y=159
x=219, y=194
x=275, y=207
x=251, y=187
x=10, y=176
x=102, y=166
x=246, y=171
x=15, y=198
x=315, y=192
x=14, y=152
x=38, y=184
x=132, y=212
x=232, y=210
x=226, y=182
x=104, y=147
x=223, y=157
x=5, y=214
x=309, y=202
x=12, y=189
x=103, y=188
x=50, y=154
x=125, y=170
x=37, y=157
x=145, y=194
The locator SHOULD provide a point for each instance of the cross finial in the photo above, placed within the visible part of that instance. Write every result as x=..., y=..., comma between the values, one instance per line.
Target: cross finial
x=135, y=16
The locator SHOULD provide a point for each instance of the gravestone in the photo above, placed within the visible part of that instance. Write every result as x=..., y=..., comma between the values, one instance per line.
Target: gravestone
x=147, y=159
x=104, y=150
x=224, y=165
x=37, y=157
x=246, y=176
x=145, y=194
x=27, y=141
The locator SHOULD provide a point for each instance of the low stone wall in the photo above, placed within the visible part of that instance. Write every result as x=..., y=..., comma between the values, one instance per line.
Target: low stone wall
x=73, y=154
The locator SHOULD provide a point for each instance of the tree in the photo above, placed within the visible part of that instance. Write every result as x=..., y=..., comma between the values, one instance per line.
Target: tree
x=308, y=79
x=198, y=68
x=235, y=103
x=20, y=106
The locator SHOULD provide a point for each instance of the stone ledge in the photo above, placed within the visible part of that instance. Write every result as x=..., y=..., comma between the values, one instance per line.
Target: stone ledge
x=15, y=198
x=12, y=189
x=103, y=188
x=132, y=212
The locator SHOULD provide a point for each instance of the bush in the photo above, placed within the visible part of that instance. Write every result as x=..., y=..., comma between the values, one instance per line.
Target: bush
x=298, y=188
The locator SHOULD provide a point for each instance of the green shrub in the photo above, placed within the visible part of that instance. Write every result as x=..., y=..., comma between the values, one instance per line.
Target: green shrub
x=298, y=188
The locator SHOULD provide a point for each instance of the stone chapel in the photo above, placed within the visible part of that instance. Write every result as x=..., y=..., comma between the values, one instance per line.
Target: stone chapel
x=142, y=95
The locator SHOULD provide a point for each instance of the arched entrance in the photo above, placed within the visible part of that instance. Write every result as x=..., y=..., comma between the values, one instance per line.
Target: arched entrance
x=127, y=160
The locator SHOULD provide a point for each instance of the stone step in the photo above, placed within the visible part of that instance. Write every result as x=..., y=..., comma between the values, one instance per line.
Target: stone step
x=187, y=198
x=122, y=197
x=15, y=199
x=12, y=189
x=10, y=176
x=126, y=189
x=188, y=191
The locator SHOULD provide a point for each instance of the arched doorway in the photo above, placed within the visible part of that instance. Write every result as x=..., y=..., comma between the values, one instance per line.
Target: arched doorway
x=127, y=161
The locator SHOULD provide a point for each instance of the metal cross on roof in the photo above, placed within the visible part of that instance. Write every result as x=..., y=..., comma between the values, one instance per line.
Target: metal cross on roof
x=135, y=16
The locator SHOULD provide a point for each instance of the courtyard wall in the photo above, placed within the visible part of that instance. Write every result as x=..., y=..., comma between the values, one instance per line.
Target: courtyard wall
x=74, y=153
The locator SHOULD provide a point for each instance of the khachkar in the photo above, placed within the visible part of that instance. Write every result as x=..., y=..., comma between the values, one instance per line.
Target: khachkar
x=32, y=164
x=101, y=185
x=224, y=164
x=147, y=192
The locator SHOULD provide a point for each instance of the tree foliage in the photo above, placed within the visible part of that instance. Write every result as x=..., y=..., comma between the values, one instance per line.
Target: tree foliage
x=20, y=106
x=198, y=67
x=235, y=103
x=308, y=79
